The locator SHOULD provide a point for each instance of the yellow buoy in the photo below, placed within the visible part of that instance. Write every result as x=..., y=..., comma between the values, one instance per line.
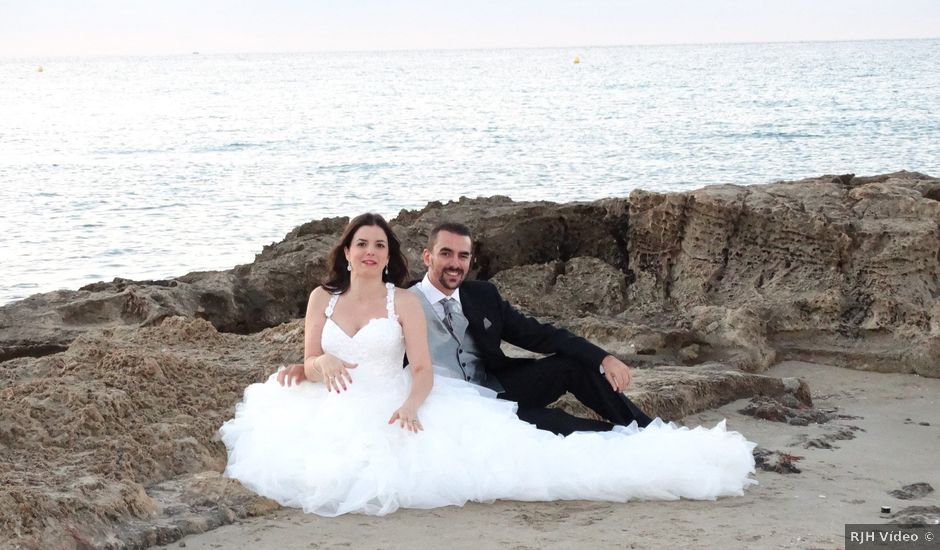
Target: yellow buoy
x=39, y=69
x=577, y=60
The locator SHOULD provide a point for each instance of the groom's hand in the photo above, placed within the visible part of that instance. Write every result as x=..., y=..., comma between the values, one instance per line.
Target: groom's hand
x=616, y=372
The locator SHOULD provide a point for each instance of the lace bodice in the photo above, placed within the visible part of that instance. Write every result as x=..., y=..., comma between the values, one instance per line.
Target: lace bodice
x=378, y=348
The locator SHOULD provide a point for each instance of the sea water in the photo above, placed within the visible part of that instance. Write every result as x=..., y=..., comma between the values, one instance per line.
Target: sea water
x=151, y=167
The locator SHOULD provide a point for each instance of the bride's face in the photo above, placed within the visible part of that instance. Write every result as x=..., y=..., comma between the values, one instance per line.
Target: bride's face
x=367, y=254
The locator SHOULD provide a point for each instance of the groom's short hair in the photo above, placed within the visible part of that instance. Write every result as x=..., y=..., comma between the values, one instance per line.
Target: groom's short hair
x=450, y=227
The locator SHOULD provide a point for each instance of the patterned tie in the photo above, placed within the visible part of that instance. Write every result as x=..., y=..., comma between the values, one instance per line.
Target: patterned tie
x=450, y=307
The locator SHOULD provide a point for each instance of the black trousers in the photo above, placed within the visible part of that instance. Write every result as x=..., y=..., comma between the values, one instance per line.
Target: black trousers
x=537, y=383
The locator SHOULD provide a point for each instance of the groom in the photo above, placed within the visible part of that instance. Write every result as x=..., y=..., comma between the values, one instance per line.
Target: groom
x=467, y=321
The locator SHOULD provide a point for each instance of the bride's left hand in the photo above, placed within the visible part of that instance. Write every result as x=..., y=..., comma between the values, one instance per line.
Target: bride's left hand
x=407, y=418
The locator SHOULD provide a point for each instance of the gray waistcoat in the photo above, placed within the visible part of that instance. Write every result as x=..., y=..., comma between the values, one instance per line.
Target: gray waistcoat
x=454, y=356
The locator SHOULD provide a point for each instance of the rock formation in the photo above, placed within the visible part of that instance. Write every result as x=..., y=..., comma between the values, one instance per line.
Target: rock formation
x=111, y=395
x=841, y=269
x=112, y=442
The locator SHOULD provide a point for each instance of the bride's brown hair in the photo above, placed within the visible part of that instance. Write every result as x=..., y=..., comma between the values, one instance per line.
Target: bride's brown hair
x=337, y=276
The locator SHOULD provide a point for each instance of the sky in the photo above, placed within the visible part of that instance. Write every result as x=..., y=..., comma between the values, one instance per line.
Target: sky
x=31, y=28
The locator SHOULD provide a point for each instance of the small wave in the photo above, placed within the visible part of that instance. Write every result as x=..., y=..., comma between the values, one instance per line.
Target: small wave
x=354, y=167
x=238, y=145
x=118, y=251
x=150, y=207
x=24, y=285
x=770, y=135
x=125, y=152
x=235, y=146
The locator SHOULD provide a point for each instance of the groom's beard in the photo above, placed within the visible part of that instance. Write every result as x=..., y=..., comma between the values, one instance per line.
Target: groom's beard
x=459, y=273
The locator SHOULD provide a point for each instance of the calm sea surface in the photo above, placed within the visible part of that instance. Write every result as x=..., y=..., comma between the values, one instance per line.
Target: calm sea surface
x=148, y=167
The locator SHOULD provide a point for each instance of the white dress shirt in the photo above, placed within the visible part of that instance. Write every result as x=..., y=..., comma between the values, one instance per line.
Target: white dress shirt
x=435, y=296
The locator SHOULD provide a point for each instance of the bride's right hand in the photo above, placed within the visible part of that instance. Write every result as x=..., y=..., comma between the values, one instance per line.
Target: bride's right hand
x=334, y=371
x=291, y=373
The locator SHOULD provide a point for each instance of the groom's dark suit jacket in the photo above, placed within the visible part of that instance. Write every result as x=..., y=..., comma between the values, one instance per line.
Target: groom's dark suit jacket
x=492, y=319
x=535, y=384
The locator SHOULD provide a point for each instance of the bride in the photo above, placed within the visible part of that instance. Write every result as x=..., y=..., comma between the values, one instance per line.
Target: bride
x=362, y=434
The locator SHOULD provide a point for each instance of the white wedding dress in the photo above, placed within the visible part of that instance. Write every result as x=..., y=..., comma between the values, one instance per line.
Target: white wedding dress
x=334, y=453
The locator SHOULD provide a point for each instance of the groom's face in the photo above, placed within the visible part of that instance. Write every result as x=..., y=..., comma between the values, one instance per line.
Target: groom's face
x=449, y=261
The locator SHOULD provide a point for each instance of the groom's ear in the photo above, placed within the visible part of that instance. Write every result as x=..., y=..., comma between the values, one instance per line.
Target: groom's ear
x=426, y=256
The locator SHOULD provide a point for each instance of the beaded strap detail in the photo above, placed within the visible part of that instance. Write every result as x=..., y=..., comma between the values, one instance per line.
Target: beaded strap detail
x=329, y=308
x=390, y=301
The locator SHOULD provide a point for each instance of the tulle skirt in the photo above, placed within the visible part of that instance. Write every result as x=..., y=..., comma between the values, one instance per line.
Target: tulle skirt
x=332, y=454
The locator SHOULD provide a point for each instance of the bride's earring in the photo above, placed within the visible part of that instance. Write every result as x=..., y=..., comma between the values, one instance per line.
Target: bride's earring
x=386, y=269
x=348, y=267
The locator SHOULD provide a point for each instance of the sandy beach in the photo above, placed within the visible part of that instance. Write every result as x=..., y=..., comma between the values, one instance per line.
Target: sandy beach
x=896, y=442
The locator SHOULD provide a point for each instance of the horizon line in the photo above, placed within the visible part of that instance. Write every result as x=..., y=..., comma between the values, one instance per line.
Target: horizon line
x=197, y=51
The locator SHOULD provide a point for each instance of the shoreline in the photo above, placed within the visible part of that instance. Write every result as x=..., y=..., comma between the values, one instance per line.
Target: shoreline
x=845, y=484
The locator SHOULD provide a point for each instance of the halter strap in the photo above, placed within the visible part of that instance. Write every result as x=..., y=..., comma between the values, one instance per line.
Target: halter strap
x=331, y=306
x=390, y=302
